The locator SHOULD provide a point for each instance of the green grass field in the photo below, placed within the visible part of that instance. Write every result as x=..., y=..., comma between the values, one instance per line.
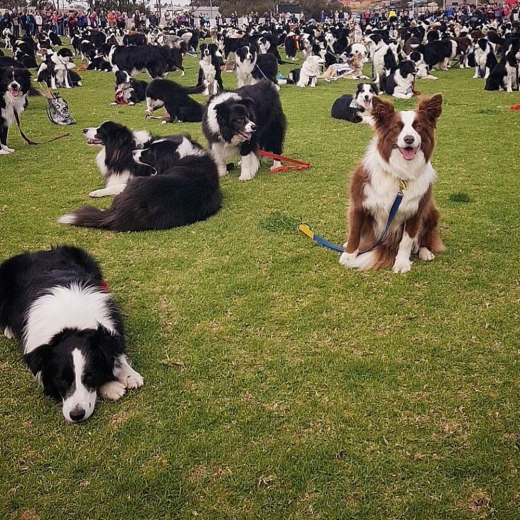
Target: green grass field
x=279, y=385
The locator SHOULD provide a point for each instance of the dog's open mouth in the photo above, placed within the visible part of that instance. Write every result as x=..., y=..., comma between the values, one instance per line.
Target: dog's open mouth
x=94, y=142
x=408, y=153
x=245, y=135
x=367, y=103
x=15, y=92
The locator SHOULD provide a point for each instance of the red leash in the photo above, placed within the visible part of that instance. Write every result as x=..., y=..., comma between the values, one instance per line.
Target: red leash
x=298, y=165
x=33, y=143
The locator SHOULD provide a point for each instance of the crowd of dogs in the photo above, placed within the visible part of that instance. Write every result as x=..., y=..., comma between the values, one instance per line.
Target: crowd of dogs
x=56, y=303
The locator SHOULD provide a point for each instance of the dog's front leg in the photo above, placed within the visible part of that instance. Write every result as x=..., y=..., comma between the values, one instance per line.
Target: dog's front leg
x=356, y=221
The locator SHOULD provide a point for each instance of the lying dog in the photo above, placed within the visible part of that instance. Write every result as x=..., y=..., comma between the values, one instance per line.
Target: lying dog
x=184, y=190
x=57, y=306
x=356, y=108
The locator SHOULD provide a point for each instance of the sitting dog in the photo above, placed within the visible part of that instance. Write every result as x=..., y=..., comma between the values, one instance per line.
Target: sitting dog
x=243, y=122
x=57, y=306
x=400, y=82
x=56, y=70
x=15, y=85
x=397, y=162
x=308, y=74
x=356, y=108
x=210, y=74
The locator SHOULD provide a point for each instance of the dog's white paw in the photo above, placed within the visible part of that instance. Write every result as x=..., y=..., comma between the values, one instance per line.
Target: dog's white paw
x=346, y=258
x=425, y=254
x=112, y=390
x=402, y=265
x=6, y=151
x=96, y=194
x=8, y=333
x=132, y=379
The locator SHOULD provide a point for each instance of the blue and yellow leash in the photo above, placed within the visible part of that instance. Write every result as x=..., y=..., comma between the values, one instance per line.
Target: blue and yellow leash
x=304, y=228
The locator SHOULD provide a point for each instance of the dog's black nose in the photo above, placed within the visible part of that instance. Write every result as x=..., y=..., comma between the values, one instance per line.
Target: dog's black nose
x=409, y=139
x=85, y=130
x=253, y=127
x=77, y=414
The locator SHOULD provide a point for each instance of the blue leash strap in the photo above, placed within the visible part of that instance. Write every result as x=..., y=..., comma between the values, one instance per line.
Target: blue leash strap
x=393, y=212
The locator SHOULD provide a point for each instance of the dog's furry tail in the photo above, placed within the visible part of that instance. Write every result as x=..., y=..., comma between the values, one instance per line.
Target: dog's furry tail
x=195, y=90
x=90, y=217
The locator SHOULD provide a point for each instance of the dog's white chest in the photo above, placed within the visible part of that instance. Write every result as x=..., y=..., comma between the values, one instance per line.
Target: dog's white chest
x=11, y=104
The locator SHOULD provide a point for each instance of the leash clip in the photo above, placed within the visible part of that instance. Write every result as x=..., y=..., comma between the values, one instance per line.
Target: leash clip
x=403, y=185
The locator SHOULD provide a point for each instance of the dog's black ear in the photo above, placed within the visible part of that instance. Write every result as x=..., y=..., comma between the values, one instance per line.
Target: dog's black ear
x=36, y=359
x=374, y=88
x=248, y=102
x=222, y=111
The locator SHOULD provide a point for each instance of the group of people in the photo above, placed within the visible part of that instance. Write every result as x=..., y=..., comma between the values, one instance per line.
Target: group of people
x=29, y=22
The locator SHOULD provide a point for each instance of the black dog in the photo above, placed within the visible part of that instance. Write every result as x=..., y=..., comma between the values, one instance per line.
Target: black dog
x=175, y=99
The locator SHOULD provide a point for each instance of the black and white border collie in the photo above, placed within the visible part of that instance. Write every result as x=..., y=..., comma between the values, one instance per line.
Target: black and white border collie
x=130, y=90
x=175, y=99
x=184, y=190
x=210, y=74
x=115, y=160
x=356, y=108
x=243, y=122
x=56, y=305
x=506, y=73
x=15, y=84
x=485, y=59
x=56, y=70
x=400, y=82
x=252, y=67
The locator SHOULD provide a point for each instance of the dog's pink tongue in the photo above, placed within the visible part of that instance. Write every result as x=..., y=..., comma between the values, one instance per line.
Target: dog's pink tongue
x=14, y=93
x=366, y=103
x=408, y=153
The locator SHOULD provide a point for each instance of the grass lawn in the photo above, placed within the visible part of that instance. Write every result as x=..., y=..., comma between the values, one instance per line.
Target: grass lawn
x=279, y=385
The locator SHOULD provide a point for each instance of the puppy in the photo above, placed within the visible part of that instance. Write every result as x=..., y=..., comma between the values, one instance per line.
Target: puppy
x=397, y=161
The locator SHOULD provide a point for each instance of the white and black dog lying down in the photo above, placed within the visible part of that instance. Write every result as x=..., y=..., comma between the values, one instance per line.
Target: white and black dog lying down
x=115, y=160
x=175, y=99
x=129, y=90
x=243, y=122
x=15, y=84
x=356, y=108
x=183, y=190
x=57, y=306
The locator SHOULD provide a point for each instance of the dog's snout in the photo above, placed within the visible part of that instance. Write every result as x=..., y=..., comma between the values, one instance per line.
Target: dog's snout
x=409, y=139
x=253, y=127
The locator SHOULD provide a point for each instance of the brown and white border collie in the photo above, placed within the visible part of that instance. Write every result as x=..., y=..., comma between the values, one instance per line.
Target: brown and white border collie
x=400, y=151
